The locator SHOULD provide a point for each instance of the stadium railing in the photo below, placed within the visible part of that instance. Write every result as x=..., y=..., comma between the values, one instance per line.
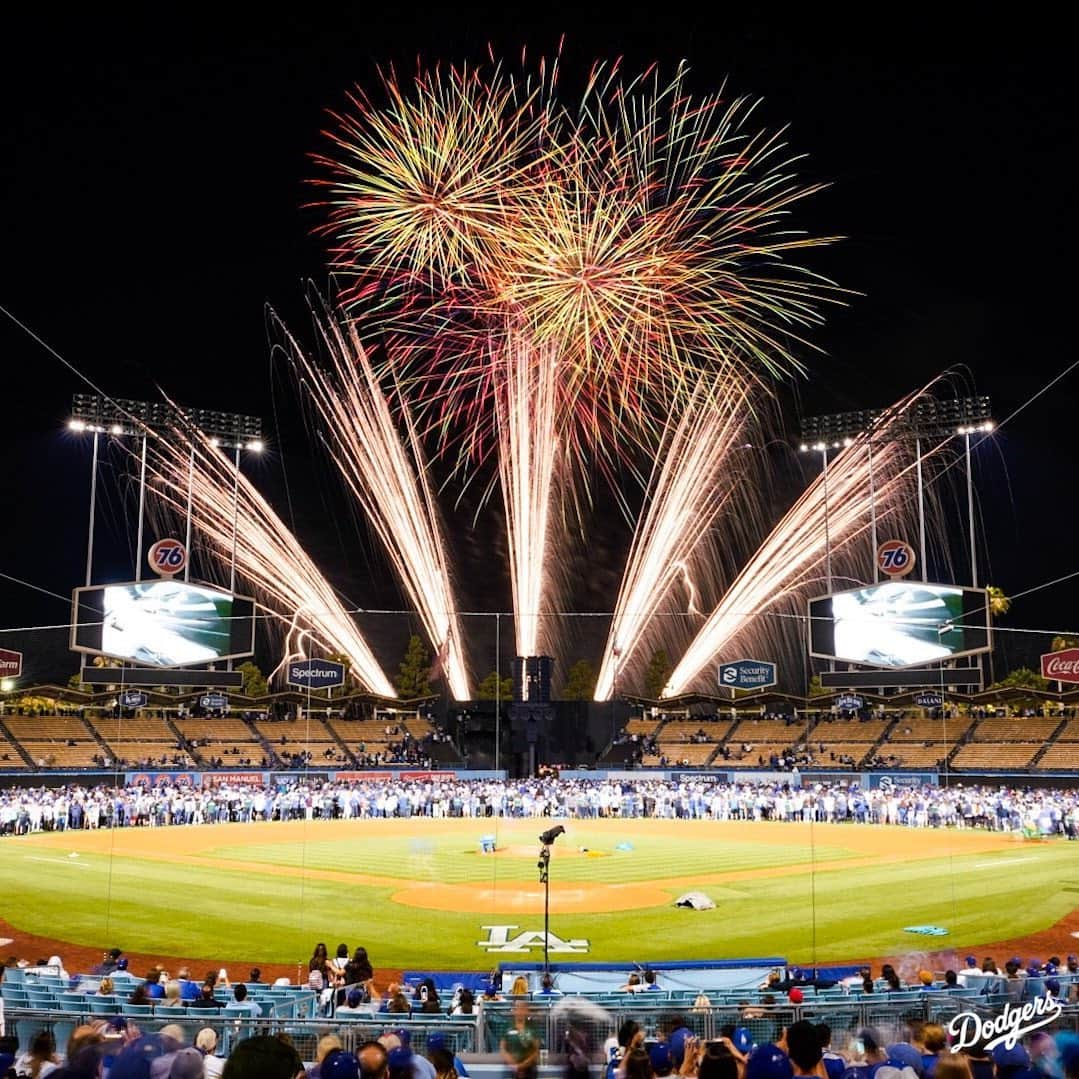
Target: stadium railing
x=598, y=1016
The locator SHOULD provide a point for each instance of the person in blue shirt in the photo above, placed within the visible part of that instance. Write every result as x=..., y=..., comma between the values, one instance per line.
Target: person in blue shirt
x=241, y=1004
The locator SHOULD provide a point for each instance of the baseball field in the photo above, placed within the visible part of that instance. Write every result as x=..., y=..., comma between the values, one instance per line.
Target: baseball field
x=420, y=893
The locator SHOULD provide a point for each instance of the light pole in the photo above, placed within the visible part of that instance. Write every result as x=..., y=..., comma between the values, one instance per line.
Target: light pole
x=616, y=655
x=544, y=864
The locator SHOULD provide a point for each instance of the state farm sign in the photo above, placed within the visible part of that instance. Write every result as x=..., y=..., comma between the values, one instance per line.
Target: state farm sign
x=1061, y=666
x=10, y=663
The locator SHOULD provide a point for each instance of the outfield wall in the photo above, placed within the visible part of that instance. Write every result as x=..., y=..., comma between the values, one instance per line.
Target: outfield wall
x=865, y=780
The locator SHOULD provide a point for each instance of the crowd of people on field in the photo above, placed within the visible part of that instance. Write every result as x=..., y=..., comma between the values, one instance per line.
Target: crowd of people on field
x=1030, y=811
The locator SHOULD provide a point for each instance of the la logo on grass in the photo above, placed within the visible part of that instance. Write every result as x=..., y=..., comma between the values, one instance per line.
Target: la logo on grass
x=499, y=940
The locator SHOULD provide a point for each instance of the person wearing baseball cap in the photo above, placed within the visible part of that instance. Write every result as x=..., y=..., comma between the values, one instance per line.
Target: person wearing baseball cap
x=437, y=1041
x=340, y=1064
x=768, y=1061
x=1013, y=1063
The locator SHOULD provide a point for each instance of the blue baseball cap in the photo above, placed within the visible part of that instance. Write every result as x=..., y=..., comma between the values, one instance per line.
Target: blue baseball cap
x=1016, y=1057
x=340, y=1065
x=768, y=1061
x=903, y=1055
x=660, y=1056
x=400, y=1058
x=133, y=1061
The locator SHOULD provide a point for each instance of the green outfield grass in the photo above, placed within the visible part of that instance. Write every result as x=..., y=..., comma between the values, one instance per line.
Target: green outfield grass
x=834, y=912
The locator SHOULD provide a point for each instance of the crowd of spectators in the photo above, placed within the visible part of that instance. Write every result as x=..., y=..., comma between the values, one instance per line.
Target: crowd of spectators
x=1041, y=811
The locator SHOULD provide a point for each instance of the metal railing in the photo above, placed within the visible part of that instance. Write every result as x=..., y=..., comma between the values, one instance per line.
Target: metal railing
x=598, y=1018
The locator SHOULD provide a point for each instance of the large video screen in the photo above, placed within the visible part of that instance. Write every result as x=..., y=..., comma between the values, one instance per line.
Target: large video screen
x=899, y=624
x=162, y=623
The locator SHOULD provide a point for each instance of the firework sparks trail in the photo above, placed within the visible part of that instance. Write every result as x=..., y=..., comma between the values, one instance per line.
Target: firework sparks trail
x=790, y=559
x=691, y=483
x=387, y=473
x=526, y=412
x=268, y=556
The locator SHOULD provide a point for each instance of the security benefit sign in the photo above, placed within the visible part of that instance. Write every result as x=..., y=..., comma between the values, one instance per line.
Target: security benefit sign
x=747, y=674
x=316, y=673
x=499, y=941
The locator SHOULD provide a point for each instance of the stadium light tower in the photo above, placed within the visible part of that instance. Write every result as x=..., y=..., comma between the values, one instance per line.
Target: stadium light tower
x=928, y=417
x=122, y=417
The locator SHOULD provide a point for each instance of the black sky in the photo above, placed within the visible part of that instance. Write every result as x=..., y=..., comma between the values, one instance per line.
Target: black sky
x=152, y=182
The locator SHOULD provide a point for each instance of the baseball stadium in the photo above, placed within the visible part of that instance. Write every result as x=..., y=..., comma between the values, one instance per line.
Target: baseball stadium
x=540, y=687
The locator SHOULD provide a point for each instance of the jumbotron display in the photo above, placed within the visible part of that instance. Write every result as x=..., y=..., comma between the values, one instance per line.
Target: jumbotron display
x=899, y=624
x=162, y=623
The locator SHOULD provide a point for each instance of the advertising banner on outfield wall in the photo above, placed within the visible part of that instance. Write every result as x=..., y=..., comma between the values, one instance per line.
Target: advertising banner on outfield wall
x=281, y=780
x=792, y=779
x=162, y=779
x=891, y=780
x=698, y=777
x=235, y=779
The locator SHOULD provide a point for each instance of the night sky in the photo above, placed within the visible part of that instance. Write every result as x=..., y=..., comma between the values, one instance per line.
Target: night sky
x=153, y=183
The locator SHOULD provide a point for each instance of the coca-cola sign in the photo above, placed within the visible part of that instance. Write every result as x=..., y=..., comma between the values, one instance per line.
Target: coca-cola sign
x=1061, y=666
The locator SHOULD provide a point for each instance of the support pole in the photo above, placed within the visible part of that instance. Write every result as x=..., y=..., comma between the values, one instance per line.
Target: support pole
x=498, y=689
x=235, y=518
x=93, y=504
x=190, y=497
x=921, y=508
x=142, y=511
x=235, y=522
x=970, y=518
x=545, y=880
x=974, y=545
x=873, y=517
x=827, y=534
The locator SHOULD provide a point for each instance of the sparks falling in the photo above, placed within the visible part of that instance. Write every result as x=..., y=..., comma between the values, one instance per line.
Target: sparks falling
x=384, y=467
x=526, y=410
x=268, y=556
x=692, y=482
x=789, y=565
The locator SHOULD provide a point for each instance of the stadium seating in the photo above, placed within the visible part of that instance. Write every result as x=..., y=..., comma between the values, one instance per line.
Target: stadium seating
x=761, y=752
x=774, y=731
x=995, y=756
x=370, y=733
x=642, y=726
x=1070, y=733
x=848, y=729
x=54, y=741
x=1015, y=729
x=1063, y=756
x=688, y=754
x=830, y=756
x=310, y=735
x=10, y=757
x=912, y=755
x=926, y=729
x=680, y=731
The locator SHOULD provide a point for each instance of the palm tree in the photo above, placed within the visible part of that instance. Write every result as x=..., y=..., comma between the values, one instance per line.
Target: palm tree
x=999, y=605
